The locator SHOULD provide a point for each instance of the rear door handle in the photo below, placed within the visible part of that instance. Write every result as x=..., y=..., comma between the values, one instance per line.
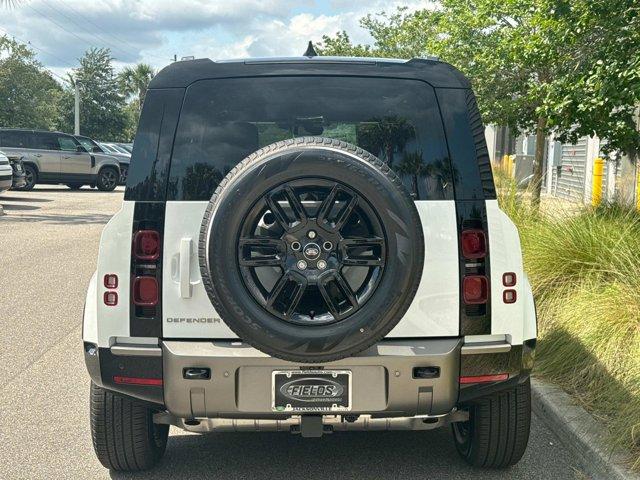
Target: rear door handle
x=185, y=268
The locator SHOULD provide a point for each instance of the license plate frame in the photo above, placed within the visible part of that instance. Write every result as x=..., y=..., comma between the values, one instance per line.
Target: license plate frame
x=311, y=391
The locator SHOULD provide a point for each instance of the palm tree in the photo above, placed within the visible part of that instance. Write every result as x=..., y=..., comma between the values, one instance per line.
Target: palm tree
x=135, y=81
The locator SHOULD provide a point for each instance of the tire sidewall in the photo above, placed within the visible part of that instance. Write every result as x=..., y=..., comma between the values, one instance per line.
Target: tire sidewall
x=248, y=319
x=100, y=181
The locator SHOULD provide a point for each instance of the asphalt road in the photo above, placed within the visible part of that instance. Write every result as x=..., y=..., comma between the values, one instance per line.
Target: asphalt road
x=48, y=246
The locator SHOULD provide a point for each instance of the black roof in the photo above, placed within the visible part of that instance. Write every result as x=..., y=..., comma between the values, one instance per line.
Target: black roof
x=436, y=73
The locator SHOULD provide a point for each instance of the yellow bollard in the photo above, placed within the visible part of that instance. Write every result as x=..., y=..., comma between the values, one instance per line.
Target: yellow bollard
x=596, y=184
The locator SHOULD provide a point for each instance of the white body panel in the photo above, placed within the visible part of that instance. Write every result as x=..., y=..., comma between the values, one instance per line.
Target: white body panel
x=433, y=313
x=506, y=256
x=114, y=256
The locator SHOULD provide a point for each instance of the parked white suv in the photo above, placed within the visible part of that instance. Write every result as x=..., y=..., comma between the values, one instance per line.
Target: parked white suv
x=309, y=245
x=6, y=173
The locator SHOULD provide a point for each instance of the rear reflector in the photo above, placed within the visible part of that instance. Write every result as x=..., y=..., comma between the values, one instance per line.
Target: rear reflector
x=111, y=280
x=146, y=245
x=110, y=299
x=156, y=382
x=484, y=378
x=145, y=291
x=474, y=244
x=509, y=296
x=475, y=289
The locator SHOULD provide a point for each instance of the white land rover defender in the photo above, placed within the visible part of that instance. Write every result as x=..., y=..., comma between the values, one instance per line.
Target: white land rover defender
x=309, y=245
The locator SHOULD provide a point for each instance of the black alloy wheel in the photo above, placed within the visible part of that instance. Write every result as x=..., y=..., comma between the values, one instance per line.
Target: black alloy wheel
x=312, y=251
x=107, y=179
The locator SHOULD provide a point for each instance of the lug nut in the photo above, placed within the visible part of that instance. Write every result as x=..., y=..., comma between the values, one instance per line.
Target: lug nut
x=327, y=246
x=302, y=265
x=295, y=246
x=322, y=264
x=311, y=234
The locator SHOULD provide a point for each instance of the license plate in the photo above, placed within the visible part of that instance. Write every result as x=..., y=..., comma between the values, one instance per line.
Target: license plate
x=301, y=391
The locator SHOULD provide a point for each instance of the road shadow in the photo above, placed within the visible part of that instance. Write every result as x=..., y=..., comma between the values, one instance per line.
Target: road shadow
x=60, y=219
x=10, y=206
x=81, y=191
x=10, y=198
x=354, y=455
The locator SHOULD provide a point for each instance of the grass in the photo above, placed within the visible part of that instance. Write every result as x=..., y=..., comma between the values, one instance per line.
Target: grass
x=584, y=266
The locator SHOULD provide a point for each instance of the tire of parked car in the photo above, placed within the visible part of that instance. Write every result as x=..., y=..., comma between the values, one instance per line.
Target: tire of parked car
x=30, y=177
x=497, y=431
x=125, y=438
x=108, y=179
x=75, y=186
x=286, y=175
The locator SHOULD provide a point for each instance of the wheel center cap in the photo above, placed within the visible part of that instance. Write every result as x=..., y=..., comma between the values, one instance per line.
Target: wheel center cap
x=311, y=251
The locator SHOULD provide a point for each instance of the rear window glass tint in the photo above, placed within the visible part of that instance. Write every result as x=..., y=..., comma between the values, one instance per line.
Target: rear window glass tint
x=14, y=139
x=223, y=121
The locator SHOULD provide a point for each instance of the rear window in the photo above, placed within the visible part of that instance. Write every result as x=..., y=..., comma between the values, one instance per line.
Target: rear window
x=223, y=121
x=14, y=139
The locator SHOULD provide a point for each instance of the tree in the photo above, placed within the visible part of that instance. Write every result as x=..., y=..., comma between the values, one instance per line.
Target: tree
x=533, y=64
x=134, y=81
x=28, y=93
x=102, y=113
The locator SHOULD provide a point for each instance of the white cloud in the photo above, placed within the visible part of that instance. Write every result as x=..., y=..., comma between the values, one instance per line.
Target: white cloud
x=153, y=30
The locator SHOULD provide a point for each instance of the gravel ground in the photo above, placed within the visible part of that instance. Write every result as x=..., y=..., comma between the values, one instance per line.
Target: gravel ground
x=48, y=245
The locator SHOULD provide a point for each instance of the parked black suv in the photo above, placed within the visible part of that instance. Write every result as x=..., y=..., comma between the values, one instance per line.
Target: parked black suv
x=309, y=245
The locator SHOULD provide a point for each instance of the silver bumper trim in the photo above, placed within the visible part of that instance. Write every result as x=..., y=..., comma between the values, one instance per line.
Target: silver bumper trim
x=137, y=350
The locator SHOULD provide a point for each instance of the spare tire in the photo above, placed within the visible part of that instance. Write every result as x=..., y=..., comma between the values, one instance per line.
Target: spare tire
x=311, y=250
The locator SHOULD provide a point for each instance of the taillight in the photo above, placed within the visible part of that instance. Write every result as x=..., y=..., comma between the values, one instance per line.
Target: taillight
x=146, y=245
x=111, y=280
x=110, y=299
x=474, y=244
x=475, y=289
x=145, y=291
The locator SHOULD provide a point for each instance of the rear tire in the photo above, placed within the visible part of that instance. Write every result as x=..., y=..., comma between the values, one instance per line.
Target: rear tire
x=497, y=432
x=124, y=435
x=107, y=179
x=30, y=177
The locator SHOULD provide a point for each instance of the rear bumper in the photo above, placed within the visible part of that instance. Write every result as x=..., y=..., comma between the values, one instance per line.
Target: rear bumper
x=240, y=383
x=239, y=386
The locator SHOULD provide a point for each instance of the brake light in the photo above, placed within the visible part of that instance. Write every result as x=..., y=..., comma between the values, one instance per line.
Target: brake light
x=474, y=244
x=155, y=382
x=145, y=291
x=484, y=378
x=475, y=289
x=146, y=245
x=110, y=299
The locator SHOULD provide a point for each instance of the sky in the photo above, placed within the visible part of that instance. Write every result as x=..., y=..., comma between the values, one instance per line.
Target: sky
x=153, y=31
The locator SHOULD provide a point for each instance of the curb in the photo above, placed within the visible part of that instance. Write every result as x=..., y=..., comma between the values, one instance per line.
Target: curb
x=579, y=432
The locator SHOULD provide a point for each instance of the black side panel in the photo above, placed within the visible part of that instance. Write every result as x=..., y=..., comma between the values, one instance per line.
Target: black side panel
x=482, y=152
x=131, y=366
x=149, y=168
x=474, y=319
x=147, y=321
x=467, y=146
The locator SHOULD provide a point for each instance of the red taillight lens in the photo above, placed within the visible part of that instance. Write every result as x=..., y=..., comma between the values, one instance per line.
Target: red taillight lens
x=475, y=289
x=111, y=280
x=474, y=244
x=484, y=378
x=146, y=245
x=509, y=296
x=110, y=299
x=145, y=291
x=155, y=382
